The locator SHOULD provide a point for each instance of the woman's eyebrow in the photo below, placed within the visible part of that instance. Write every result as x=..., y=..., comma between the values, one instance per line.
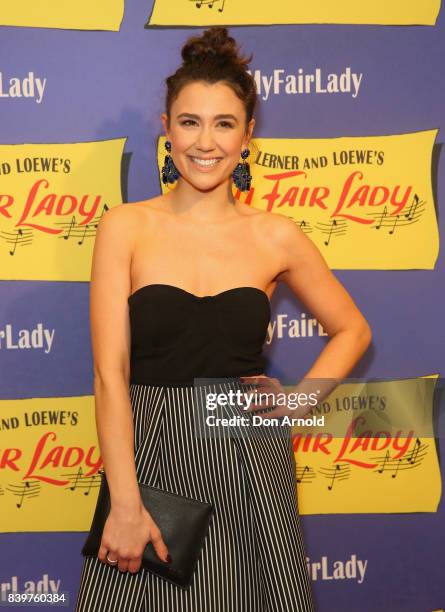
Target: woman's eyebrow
x=221, y=116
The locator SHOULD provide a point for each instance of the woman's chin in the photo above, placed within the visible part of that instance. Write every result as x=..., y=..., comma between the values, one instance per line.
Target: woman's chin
x=205, y=182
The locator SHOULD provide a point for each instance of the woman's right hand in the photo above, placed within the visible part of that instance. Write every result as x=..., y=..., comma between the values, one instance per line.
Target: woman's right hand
x=125, y=536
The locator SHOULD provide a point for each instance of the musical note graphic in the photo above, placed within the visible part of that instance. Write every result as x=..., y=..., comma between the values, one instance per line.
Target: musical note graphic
x=336, y=473
x=410, y=214
x=384, y=213
x=87, y=227
x=394, y=226
x=83, y=482
x=82, y=231
x=415, y=211
x=305, y=226
x=20, y=237
x=390, y=463
x=412, y=460
x=209, y=4
x=305, y=474
x=336, y=228
x=27, y=489
x=72, y=224
x=415, y=452
x=104, y=209
x=78, y=231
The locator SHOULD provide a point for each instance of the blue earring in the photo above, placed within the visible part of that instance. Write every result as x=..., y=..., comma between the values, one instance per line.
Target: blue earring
x=241, y=175
x=170, y=173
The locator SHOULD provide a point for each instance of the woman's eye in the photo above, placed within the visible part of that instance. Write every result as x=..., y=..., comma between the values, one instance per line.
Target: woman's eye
x=224, y=123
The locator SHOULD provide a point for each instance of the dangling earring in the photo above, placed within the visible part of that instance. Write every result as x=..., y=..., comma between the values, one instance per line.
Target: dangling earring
x=170, y=173
x=241, y=175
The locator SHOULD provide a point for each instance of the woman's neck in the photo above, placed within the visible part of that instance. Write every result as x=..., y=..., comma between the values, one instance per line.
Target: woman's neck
x=202, y=206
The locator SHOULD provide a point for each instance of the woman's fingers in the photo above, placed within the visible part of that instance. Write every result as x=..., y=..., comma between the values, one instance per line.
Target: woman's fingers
x=130, y=559
x=159, y=545
x=103, y=552
x=134, y=565
x=266, y=391
x=123, y=564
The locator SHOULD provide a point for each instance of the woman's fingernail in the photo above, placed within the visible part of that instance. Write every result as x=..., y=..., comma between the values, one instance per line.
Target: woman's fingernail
x=169, y=559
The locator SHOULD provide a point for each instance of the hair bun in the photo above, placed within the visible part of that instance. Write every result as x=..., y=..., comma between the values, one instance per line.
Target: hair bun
x=214, y=45
x=213, y=57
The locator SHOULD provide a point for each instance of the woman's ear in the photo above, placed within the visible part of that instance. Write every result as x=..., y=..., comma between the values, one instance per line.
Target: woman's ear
x=249, y=132
x=164, y=119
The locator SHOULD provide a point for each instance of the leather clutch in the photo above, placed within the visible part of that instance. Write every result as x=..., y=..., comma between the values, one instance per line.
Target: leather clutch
x=183, y=522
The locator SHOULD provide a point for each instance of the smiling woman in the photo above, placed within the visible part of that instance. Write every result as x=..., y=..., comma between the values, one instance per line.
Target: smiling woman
x=195, y=135
x=213, y=78
x=180, y=291
x=184, y=318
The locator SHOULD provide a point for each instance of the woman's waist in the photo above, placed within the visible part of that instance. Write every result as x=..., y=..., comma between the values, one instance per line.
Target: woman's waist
x=199, y=381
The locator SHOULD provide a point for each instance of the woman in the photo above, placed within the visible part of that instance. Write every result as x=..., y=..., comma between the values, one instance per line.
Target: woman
x=180, y=290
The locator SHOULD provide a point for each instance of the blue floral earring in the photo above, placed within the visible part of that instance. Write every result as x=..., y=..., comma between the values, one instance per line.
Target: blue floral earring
x=170, y=173
x=241, y=175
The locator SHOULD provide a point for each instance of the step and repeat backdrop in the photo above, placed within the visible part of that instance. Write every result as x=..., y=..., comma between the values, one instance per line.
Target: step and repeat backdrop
x=348, y=144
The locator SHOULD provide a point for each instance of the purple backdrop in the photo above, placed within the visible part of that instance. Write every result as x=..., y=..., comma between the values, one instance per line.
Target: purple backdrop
x=104, y=85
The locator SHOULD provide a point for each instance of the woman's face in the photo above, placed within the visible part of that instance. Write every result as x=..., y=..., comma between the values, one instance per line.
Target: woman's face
x=207, y=133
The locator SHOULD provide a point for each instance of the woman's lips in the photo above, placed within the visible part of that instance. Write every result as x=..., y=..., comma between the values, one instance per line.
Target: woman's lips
x=204, y=167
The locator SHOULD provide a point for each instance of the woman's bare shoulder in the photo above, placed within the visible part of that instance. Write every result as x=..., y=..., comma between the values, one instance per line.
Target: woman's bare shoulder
x=270, y=224
x=133, y=216
x=143, y=207
x=121, y=226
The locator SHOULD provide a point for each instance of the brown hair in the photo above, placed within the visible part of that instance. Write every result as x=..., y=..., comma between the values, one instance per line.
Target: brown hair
x=214, y=56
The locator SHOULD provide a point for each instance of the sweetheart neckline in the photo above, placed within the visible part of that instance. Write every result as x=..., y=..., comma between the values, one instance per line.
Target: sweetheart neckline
x=198, y=297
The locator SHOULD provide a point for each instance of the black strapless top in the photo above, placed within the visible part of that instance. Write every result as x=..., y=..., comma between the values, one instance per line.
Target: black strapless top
x=177, y=336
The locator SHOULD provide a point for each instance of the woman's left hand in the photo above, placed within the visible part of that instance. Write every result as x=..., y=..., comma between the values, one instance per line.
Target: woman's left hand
x=277, y=396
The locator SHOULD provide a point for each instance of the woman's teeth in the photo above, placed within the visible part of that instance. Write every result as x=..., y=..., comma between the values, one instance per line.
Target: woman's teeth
x=204, y=162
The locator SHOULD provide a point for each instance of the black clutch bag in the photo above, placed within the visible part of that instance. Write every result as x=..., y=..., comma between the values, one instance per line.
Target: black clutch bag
x=183, y=522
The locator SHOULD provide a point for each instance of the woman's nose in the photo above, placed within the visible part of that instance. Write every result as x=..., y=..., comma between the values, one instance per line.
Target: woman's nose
x=206, y=140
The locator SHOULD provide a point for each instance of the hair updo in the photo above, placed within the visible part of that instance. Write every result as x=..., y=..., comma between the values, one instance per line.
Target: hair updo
x=214, y=56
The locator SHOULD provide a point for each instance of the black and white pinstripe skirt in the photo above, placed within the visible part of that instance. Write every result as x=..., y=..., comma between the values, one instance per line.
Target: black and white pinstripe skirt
x=253, y=559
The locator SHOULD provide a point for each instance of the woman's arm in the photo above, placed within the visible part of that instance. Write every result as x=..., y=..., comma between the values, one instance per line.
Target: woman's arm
x=306, y=272
x=110, y=334
x=129, y=525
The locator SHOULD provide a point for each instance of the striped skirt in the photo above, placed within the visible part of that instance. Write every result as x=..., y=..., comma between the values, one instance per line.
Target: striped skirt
x=253, y=559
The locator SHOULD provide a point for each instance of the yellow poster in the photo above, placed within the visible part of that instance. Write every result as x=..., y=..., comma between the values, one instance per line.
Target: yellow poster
x=50, y=458
x=252, y=12
x=364, y=201
x=375, y=453
x=52, y=197
x=75, y=15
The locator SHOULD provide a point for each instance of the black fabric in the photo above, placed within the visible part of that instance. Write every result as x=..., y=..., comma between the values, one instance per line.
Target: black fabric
x=177, y=336
x=253, y=557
